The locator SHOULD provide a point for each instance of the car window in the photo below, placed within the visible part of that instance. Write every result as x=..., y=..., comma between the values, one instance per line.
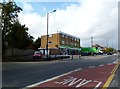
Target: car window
x=37, y=53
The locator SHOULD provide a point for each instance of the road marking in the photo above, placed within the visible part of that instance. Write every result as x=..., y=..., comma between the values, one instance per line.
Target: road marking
x=110, y=63
x=110, y=77
x=99, y=83
x=101, y=65
x=116, y=61
x=91, y=66
x=115, y=68
x=105, y=86
x=77, y=82
x=47, y=80
x=77, y=69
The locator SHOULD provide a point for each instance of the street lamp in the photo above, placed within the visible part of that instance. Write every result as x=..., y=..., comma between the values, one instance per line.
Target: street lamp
x=47, y=30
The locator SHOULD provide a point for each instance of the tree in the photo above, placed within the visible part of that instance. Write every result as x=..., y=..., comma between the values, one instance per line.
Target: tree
x=14, y=35
x=18, y=37
x=109, y=50
x=9, y=16
x=37, y=43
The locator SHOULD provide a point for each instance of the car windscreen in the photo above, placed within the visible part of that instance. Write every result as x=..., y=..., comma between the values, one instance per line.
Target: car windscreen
x=37, y=53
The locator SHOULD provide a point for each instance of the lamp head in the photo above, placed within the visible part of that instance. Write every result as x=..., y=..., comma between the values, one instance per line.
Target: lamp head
x=54, y=10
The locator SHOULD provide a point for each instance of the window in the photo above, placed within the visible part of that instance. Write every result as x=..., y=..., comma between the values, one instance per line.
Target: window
x=75, y=44
x=63, y=42
x=50, y=35
x=50, y=42
x=75, y=39
x=62, y=35
x=66, y=36
x=78, y=40
x=71, y=38
x=72, y=43
x=67, y=43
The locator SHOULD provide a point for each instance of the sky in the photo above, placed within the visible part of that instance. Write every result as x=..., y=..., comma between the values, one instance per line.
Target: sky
x=81, y=18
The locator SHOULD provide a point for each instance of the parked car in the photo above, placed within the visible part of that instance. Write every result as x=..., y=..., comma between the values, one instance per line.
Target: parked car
x=109, y=53
x=37, y=54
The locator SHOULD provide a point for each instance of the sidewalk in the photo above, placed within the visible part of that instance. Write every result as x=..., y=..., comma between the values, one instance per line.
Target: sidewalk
x=88, y=57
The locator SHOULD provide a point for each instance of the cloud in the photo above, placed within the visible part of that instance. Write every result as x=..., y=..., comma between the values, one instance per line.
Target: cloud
x=91, y=18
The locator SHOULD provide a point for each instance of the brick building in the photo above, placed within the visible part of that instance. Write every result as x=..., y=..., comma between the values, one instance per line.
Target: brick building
x=65, y=42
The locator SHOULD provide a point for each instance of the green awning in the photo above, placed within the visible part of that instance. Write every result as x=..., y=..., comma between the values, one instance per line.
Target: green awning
x=68, y=47
x=76, y=49
x=65, y=47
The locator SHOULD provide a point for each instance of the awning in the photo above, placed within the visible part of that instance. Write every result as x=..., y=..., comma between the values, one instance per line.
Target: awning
x=76, y=49
x=68, y=47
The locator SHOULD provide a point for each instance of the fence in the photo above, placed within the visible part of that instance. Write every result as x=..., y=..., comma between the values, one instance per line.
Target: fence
x=19, y=52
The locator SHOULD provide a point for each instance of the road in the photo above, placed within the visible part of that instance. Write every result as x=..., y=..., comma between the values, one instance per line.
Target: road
x=24, y=74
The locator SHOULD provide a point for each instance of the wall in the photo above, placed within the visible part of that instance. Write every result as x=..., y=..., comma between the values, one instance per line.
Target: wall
x=19, y=52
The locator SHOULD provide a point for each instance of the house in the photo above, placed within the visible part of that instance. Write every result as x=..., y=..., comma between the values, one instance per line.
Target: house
x=66, y=43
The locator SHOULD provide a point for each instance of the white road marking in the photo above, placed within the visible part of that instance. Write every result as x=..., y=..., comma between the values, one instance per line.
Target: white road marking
x=101, y=65
x=77, y=82
x=47, y=80
x=110, y=63
x=99, y=83
x=91, y=66
x=77, y=69
x=116, y=61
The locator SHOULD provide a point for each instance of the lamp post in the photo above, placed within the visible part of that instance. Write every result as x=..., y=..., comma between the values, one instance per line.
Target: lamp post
x=47, y=31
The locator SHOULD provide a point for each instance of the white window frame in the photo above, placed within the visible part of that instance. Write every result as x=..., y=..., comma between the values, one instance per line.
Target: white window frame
x=63, y=42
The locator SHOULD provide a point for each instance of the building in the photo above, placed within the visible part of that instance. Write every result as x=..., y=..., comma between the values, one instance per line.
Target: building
x=66, y=43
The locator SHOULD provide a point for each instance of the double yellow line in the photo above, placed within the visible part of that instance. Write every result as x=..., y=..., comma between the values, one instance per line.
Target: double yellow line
x=106, y=85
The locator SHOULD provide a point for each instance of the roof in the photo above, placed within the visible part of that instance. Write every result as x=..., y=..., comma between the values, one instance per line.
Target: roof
x=68, y=35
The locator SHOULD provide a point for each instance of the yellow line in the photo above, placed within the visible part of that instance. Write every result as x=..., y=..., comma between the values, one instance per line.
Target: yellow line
x=108, y=81
x=105, y=86
x=115, y=68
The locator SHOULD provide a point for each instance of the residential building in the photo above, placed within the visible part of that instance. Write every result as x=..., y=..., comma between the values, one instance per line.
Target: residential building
x=65, y=42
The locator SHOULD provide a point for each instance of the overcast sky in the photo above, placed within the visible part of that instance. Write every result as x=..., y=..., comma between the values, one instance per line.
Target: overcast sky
x=84, y=19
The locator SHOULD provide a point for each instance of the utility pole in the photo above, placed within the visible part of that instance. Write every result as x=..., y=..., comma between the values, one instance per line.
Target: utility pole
x=91, y=41
x=106, y=43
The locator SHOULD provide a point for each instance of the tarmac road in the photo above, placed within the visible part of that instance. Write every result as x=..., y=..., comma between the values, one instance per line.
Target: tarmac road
x=23, y=74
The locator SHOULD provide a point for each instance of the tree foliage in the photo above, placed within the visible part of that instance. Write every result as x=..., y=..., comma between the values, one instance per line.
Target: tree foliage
x=37, y=43
x=18, y=37
x=109, y=50
x=9, y=16
x=14, y=34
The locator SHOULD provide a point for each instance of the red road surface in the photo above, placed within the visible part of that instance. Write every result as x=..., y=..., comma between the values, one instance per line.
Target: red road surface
x=90, y=78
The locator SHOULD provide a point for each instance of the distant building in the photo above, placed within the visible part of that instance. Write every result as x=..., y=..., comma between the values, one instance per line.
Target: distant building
x=65, y=42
